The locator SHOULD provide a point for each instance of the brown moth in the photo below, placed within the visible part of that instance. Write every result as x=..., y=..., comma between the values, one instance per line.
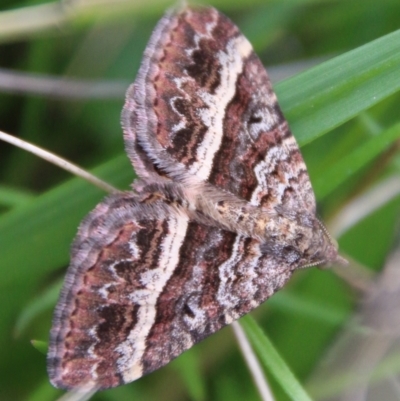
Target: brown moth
x=221, y=216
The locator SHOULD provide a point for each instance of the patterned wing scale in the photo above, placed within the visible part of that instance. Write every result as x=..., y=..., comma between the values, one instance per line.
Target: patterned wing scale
x=144, y=285
x=202, y=110
x=156, y=271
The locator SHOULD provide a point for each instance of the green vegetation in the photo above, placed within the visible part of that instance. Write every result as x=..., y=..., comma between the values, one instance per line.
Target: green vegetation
x=343, y=111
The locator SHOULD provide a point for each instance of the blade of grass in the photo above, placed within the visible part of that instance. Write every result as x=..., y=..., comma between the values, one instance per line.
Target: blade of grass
x=272, y=361
x=322, y=98
x=13, y=197
x=43, y=302
x=252, y=362
x=331, y=178
x=187, y=366
x=41, y=346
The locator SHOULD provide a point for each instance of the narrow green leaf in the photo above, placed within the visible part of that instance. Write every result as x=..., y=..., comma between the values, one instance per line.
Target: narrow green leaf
x=41, y=346
x=272, y=361
x=12, y=197
x=45, y=301
x=324, y=97
x=331, y=178
x=188, y=367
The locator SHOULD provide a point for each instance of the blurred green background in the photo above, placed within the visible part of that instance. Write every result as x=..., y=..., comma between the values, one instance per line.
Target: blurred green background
x=75, y=59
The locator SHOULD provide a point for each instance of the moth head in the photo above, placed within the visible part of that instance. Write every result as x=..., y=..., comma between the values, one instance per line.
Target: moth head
x=329, y=247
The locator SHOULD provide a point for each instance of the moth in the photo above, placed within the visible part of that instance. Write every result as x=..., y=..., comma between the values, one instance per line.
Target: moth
x=221, y=215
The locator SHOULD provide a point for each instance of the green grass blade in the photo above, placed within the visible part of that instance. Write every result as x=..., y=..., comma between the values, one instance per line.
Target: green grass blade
x=12, y=197
x=42, y=303
x=322, y=98
x=187, y=367
x=331, y=178
x=272, y=361
x=41, y=346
